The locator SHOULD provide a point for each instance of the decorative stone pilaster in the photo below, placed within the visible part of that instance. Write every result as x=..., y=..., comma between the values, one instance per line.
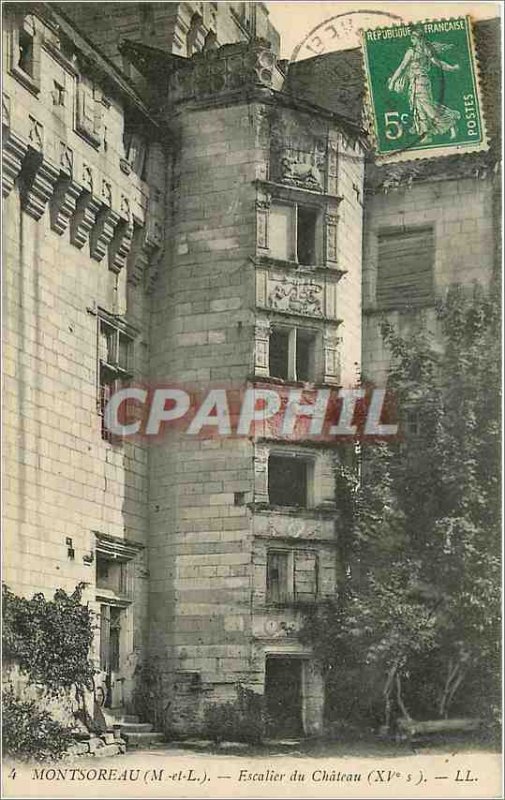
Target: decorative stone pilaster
x=331, y=341
x=262, y=331
x=260, y=474
x=263, y=203
x=13, y=154
x=332, y=179
x=330, y=225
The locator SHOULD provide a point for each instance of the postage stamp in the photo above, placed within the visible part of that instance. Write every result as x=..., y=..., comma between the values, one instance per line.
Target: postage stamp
x=423, y=89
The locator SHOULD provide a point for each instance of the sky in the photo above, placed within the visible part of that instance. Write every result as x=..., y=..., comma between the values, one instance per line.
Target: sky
x=294, y=20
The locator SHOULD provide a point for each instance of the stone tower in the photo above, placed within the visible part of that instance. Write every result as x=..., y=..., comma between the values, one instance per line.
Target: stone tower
x=260, y=283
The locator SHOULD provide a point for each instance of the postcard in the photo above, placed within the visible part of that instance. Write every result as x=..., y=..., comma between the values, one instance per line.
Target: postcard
x=252, y=376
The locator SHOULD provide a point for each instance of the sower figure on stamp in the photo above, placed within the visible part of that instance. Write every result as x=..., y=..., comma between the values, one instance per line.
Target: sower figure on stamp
x=412, y=76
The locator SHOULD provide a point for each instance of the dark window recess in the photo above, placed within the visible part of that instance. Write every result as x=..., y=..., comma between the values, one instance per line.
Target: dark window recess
x=114, y=366
x=405, y=268
x=25, y=61
x=104, y=637
x=304, y=356
x=279, y=352
x=277, y=577
x=102, y=573
x=115, y=633
x=306, y=236
x=287, y=481
x=239, y=498
x=412, y=423
x=305, y=576
x=58, y=94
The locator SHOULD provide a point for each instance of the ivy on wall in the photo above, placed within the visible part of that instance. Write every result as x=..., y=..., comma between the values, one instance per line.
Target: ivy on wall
x=49, y=640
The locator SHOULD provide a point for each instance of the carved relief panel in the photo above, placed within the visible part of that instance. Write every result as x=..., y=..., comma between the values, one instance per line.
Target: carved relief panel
x=298, y=151
x=301, y=295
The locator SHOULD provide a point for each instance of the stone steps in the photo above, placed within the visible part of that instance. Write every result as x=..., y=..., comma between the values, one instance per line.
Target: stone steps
x=133, y=732
x=136, y=727
x=99, y=746
x=142, y=739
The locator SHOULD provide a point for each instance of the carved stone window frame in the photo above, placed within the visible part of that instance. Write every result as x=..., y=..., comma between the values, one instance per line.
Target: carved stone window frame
x=115, y=550
x=326, y=206
x=29, y=25
x=326, y=363
x=294, y=332
x=320, y=482
x=89, y=127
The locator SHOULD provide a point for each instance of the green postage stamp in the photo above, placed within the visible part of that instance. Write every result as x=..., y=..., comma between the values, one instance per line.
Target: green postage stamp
x=423, y=89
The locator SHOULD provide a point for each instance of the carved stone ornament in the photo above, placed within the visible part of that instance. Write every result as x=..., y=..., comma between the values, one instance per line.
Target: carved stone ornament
x=36, y=133
x=6, y=110
x=296, y=296
x=14, y=151
x=39, y=187
x=63, y=202
x=66, y=159
x=301, y=169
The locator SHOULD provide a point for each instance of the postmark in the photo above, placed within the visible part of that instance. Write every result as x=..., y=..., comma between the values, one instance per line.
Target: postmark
x=423, y=89
x=341, y=32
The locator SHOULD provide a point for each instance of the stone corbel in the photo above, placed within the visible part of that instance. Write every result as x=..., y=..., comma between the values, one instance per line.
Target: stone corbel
x=87, y=208
x=122, y=239
x=64, y=200
x=120, y=245
x=136, y=264
x=63, y=203
x=6, y=110
x=38, y=182
x=103, y=231
x=153, y=240
x=262, y=331
x=143, y=257
x=153, y=259
x=105, y=224
x=14, y=151
x=331, y=341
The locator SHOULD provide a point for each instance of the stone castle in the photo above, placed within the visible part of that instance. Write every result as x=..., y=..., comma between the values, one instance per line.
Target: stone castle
x=180, y=205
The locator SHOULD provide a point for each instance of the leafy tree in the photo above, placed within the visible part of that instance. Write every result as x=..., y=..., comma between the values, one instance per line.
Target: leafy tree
x=417, y=617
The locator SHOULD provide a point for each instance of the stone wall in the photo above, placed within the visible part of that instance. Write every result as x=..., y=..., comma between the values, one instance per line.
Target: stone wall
x=462, y=214
x=77, y=240
x=202, y=335
x=178, y=28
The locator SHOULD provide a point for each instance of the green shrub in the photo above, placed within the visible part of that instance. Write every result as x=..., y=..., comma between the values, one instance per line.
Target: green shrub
x=147, y=698
x=49, y=640
x=240, y=720
x=30, y=732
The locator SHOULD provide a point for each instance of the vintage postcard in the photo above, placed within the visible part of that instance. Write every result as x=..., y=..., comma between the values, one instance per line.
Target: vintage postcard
x=251, y=391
